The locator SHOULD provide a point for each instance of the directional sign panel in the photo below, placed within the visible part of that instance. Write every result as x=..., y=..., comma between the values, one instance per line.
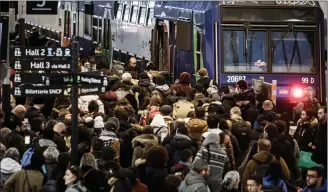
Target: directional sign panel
x=29, y=78
x=41, y=7
x=60, y=65
x=92, y=79
x=44, y=52
x=54, y=91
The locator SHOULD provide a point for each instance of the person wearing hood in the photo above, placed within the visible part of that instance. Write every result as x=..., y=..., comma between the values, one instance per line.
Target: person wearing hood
x=160, y=127
x=46, y=140
x=196, y=180
x=216, y=157
x=315, y=181
x=231, y=182
x=110, y=138
x=183, y=86
x=267, y=115
x=263, y=155
x=180, y=142
x=140, y=143
x=50, y=154
x=9, y=164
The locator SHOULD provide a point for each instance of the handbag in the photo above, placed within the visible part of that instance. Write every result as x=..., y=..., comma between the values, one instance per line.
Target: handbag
x=306, y=161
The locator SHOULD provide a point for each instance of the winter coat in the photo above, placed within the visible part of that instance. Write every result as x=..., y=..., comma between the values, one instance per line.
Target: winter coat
x=199, y=100
x=160, y=127
x=84, y=101
x=60, y=142
x=77, y=187
x=305, y=134
x=32, y=113
x=196, y=128
x=139, y=143
x=50, y=167
x=249, y=113
x=322, y=188
x=111, y=139
x=23, y=180
x=320, y=142
x=262, y=156
x=176, y=145
x=8, y=167
x=205, y=81
x=216, y=157
x=194, y=182
x=267, y=115
x=154, y=179
x=227, y=103
x=270, y=183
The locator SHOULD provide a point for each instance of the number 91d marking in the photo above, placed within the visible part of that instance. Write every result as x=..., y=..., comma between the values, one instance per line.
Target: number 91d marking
x=235, y=79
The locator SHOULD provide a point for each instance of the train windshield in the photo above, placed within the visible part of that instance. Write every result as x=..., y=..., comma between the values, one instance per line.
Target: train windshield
x=293, y=52
x=242, y=56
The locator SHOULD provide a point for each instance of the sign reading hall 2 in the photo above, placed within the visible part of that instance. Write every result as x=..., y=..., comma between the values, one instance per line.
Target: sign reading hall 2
x=41, y=7
x=42, y=52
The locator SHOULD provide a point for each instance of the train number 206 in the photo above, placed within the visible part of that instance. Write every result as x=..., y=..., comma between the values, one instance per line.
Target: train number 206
x=234, y=79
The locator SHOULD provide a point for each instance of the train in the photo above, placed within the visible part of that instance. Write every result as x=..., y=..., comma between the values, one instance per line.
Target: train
x=233, y=39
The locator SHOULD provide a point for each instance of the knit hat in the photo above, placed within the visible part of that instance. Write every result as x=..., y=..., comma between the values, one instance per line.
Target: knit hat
x=199, y=165
x=99, y=123
x=116, y=121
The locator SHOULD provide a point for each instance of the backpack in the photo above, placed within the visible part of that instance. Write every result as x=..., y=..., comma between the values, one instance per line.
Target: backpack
x=182, y=108
x=158, y=136
x=242, y=131
x=26, y=159
x=262, y=167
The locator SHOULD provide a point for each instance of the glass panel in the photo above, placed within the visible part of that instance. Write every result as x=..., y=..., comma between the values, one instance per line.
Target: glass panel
x=126, y=13
x=100, y=35
x=198, y=61
x=235, y=49
x=123, y=57
x=142, y=15
x=95, y=21
x=116, y=55
x=94, y=34
x=199, y=41
x=100, y=22
x=119, y=11
x=150, y=16
x=134, y=14
x=105, y=33
x=293, y=52
x=87, y=24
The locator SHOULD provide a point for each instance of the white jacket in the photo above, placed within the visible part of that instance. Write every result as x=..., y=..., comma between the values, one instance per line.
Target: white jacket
x=159, y=123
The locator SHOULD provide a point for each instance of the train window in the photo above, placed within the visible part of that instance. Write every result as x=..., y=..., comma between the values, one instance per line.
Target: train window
x=199, y=62
x=107, y=37
x=119, y=11
x=116, y=55
x=293, y=52
x=74, y=24
x=94, y=34
x=99, y=35
x=134, y=15
x=235, y=47
x=95, y=21
x=87, y=24
x=150, y=15
x=126, y=13
x=67, y=24
x=123, y=57
x=142, y=15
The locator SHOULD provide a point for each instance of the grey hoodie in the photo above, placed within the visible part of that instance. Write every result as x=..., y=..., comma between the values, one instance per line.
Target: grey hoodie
x=8, y=167
x=217, y=160
x=46, y=142
x=194, y=182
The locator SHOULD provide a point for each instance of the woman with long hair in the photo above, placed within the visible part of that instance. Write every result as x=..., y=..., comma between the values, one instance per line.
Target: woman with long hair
x=72, y=180
x=230, y=182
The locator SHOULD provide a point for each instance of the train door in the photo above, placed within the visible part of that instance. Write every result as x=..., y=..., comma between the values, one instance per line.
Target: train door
x=172, y=42
x=106, y=40
x=160, y=46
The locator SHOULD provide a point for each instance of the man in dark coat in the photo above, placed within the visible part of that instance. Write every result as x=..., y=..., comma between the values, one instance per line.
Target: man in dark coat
x=248, y=110
x=319, y=145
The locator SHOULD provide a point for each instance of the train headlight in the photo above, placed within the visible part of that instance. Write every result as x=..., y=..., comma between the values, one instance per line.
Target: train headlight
x=297, y=93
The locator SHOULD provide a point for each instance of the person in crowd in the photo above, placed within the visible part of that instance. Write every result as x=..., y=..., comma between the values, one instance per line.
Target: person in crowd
x=319, y=144
x=264, y=156
x=50, y=154
x=183, y=86
x=110, y=138
x=180, y=142
x=197, y=126
x=160, y=127
x=204, y=80
x=230, y=182
x=161, y=88
x=72, y=180
x=136, y=185
x=166, y=112
x=172, y=183
x=306, y=127
x=17, y=113
x=60, y=131
x=3, y=134
x=34, y=110
x=197, y=178
x=248, y=110
x=97, y=148
x=133, y=68
x=254, y=183
x=315, y=181
x=267, y=115
x=28, y=179
x=9, y=164
x=140, y=143
x=182, y=168
x=200, y=99
x=123, y=117
x=216, y=158
x=273, y=178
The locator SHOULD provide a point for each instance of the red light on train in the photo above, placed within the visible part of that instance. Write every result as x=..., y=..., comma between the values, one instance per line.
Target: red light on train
x=297, y=92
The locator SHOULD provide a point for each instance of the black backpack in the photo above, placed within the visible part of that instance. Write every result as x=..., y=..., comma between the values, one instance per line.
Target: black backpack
x=262, y=166
x=242, y=131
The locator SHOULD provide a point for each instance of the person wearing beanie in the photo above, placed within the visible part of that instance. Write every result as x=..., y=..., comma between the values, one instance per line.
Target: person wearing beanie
x=127, y=79
x=197, y=178
x=29, y=178
x=98, y=125
x=183, y=86
x=110, y=137
x=212, y=152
